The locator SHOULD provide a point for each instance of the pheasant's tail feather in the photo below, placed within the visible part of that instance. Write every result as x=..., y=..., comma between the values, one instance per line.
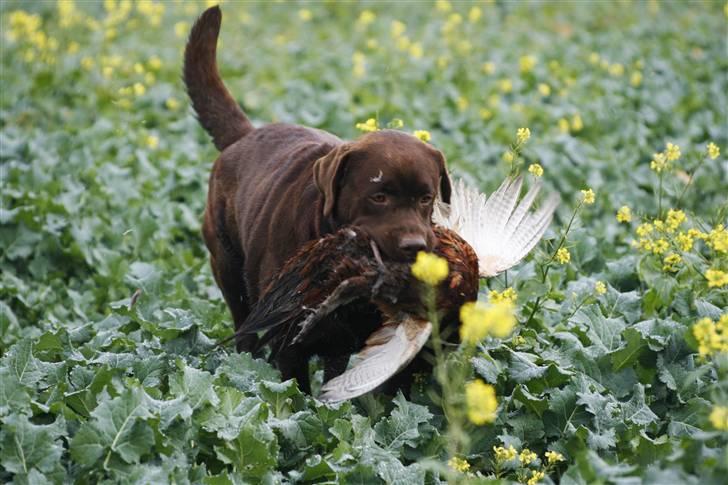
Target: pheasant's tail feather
x=387, y=351
x=500, y=229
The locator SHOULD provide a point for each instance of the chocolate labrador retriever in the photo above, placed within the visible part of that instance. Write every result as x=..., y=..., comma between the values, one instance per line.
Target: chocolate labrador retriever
x=276, y=187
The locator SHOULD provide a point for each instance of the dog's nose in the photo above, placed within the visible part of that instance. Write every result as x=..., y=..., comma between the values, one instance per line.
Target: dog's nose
x=412, y=244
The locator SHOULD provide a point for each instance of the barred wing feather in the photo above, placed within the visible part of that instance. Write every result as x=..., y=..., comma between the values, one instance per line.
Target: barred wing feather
x=500, y=229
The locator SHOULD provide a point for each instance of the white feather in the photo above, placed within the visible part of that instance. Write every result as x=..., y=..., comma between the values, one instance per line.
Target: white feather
x=387, y=351
x=501, y=230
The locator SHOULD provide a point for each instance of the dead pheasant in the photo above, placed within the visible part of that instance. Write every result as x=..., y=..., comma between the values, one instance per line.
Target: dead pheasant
x=337, y=297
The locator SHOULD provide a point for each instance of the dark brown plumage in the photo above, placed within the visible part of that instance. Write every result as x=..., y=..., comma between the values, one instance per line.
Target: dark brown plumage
x=337, y=297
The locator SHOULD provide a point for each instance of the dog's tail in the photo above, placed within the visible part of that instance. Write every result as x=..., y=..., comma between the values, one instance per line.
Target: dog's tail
x=216, y=109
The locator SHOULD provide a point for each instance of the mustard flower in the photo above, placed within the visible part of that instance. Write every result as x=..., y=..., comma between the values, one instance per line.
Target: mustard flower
x=535, y=169
x=509, y=295
x=563, y=125
x=152, y=142
x=504, y=454
x=474, y=14
x=636, y=79
x=713, y=151
x=536, y=476
x=505, y=85
x=488, y=67
x=563, y=256
x=644, y=229
x=684, y=241
x=522, y=135
x=600, y=288
x=397, y=28
x=544, y=89
x=481, y=402
x=423, y=135
x=718, y=239
x=479, y=320
x=366, y=17
x=443, y=6
x=368, y=126
x=458, y=464
x=674, y=219
x=659, y=162
x=527, y=456
x=588, y=196
x=672, y=152
x=670, y=262
x=716, y=278
x=616, y=69
x=660, y=246
x=139, y=89
x=553, y=457
x=430, y=268
x=172, y=104
x=576, y=123
x=719, y=418
x=624, y=214
x=526, y=63
x=181, y=29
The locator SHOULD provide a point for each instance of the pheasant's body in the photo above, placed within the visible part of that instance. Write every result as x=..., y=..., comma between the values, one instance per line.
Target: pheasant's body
x=336, y=292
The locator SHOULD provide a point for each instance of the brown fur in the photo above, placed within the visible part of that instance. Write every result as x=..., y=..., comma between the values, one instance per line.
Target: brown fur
x=276, y=187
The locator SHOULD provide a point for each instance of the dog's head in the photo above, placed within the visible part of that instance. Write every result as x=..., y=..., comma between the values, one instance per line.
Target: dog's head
x=385, y=183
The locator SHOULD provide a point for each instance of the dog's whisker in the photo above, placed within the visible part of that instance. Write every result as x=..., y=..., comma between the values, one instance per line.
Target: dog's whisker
x=377, y=255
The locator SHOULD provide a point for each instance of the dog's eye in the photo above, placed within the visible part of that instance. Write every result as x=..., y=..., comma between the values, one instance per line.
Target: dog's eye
x=425, y=200
x=379, y=198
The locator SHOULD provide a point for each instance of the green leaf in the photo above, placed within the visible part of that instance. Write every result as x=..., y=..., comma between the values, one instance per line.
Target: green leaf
x=117, y=426
x=533, y=403
x=630, y=351
x=405, y=426
x=251, y=453
x=26, y=447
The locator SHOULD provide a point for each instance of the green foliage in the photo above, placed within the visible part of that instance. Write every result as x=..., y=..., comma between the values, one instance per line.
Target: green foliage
x=110, y=316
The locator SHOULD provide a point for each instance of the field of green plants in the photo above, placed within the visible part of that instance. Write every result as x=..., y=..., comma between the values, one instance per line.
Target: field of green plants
x=617, y=368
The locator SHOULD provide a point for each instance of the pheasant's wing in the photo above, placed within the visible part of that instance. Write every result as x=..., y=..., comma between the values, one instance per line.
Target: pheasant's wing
x=501, y=230
x=387, y=351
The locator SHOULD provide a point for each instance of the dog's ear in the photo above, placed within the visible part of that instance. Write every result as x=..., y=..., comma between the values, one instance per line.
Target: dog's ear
x=445, y=186
x=327, y=173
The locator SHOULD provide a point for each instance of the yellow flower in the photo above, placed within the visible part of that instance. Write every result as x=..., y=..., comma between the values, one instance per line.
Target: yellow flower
x=616, y=69
x=462, y=103
x=443, y=6
x=87, y=63
x=660, y=246
x=509, y=294
x=527, y=456
x=489, y=67
x=719, y=418
x=305, y=14
x=505, y=85
x=481, y=402
x=536, y=476
x=674, y=219
x=600, y=288
x=576, y=123
x=624, y=214
x=716, y=278
x=672, y=152
x=544, y=89
x=526, y=63
x=429, y=268
x=711, y=338
x=594, y=58
x=636, y=79
x=522, y=135
x=397, y=28
x=563, y=125
x=553, y=457
x=718, y=239
x=368, y=126
x=684, y=241
x=423, y=135
x=458, y=464
x=152, y=141
x=474, y=14
x=366, y=17
x=396, y=123
x=504, y=454
x=713, y=150
x=181, y=29
x=535, y=169
x=416, y=50
x=588, y=196
x=670, y=262
x=644, y=229
x=359, y=60
x=479, y=320
x=563, y=256
x=139, y=89
x=659, y=162
x=485, y=113
x=155, y=63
